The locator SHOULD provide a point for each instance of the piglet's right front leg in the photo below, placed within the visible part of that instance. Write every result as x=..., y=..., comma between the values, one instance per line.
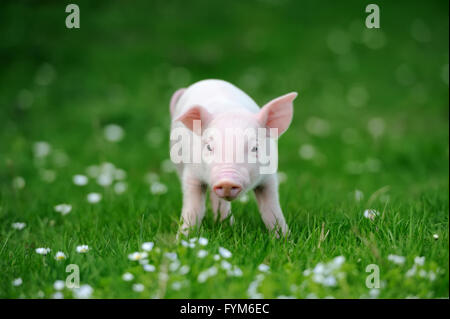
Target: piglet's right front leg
x=193, y=209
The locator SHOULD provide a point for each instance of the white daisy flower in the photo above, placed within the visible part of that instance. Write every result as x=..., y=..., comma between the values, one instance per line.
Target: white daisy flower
x=371, y=214
x=235, y=272
x=202, y=253
x=84, y=292
x=82, y=249
x=17, y=282
x=282, y=177
x=59, y=285
x=399, y=260
x=120, y=187
x=149, y=268
x=176, y=285
x=174, y=265
x=171, y=256
x=60, y=256
x=64, y=209
x=80, y=180
x=263, y=268
x=158, y=188
x=216, y=257
x=147, y=246
x=105, y=179
x=47, y=175
x=137, y=256
x=204, y=275
x=436, y=236
x=138, y=287
x=42, y=251
x=151, y=177
x=143, y=261
x=225, y=253
x=359, y=195
x=184, y=269
x=18, y=182
x=225, y=265
x=127, y=276
x=119, y=174
x=374, y=292
x=93, y=171
x=41, y=149
x=58, y=295
x=168, y=166
x=187, y=244
x=243, y=198
x=307, y=151
x=337, y=262
x=329, y=281
x=376, y=126
x=19, y=226
x=94, y=198
x=203, y=241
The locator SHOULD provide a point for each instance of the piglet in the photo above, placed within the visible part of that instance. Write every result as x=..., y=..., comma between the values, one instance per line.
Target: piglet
x=222, y=141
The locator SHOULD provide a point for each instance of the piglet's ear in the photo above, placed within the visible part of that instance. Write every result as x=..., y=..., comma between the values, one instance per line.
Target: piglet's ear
x=195, y=113
x=278, y=113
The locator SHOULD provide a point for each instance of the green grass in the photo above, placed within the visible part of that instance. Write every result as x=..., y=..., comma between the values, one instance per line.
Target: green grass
x=122, y=67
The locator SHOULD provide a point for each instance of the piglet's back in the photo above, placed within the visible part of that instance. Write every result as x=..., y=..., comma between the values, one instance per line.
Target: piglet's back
x=217, y=96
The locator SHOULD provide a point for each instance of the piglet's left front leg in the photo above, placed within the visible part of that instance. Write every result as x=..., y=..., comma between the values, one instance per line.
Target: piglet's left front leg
x=269, y=206
x=193, y=209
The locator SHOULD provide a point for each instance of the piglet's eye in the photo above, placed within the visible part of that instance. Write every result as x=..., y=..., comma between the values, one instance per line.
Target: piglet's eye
x=209, y=148
x=254, y=149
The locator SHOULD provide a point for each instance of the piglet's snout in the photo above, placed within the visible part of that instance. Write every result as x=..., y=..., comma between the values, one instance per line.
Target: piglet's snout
x=227, y=190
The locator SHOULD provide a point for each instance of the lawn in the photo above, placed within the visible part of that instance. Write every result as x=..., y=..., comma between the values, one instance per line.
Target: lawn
x=370, y=138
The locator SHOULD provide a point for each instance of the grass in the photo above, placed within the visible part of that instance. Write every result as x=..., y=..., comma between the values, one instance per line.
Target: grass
x=373, y=105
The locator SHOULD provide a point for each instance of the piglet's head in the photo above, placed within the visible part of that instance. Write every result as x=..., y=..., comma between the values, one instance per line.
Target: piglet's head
x=234, y=145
